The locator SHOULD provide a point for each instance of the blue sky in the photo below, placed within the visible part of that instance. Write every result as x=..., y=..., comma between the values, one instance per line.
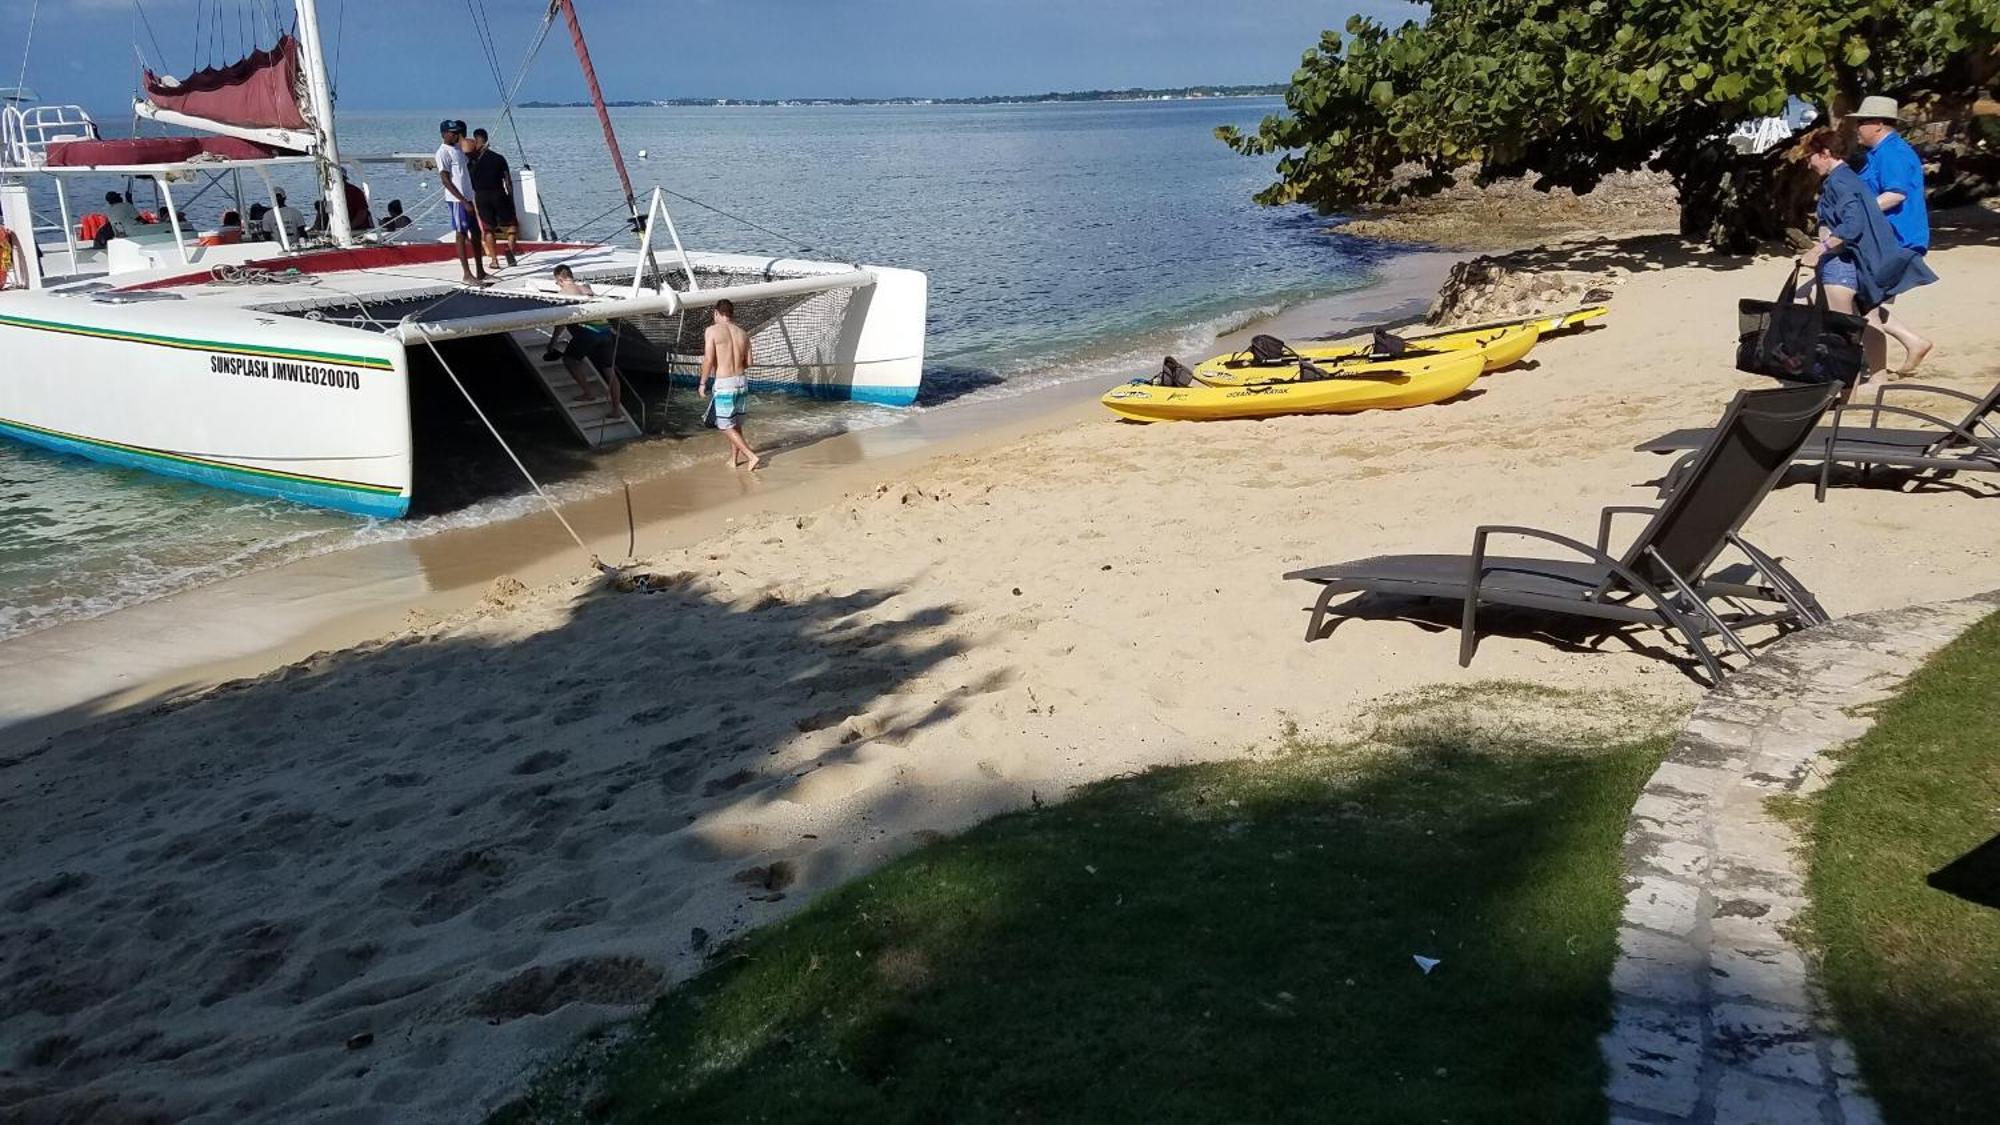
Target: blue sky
x=424, y=53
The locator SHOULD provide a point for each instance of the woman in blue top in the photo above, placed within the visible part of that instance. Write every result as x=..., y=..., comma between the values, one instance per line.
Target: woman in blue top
x=1860, y=260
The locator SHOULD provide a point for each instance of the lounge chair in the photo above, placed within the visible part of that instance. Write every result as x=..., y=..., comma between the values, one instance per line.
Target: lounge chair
x=1971, y=444
x=1664, y=579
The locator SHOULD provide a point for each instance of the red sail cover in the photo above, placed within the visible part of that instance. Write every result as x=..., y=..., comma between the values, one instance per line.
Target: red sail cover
x=261, y=92
x=153, y=150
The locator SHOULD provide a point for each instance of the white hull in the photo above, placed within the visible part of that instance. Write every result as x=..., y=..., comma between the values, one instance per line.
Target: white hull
x=227, y=385
x=313, y=413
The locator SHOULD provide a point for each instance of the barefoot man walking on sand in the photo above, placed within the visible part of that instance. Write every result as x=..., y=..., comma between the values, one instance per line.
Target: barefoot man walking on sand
x=725, y=358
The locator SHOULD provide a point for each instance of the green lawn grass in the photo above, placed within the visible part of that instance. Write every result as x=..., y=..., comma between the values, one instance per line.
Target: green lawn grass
x=1913, y=972
x=1227, y=942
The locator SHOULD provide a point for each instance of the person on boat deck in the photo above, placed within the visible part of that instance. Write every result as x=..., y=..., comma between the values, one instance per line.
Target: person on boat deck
x=396, y=220
x=288, y=217
x=725, y=357
x=7, y=279
x=455, y=172
x=358, y=216
x=593, y=341
x=256, y=228
x=1860, y=262
x=1895, y=173
x=322, y=219
x=124, y=217
x=493, y=194
x=228, y=232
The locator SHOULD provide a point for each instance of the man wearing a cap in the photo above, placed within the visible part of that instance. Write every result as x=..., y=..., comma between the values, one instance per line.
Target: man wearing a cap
x=455, y=171
x=1894, y=172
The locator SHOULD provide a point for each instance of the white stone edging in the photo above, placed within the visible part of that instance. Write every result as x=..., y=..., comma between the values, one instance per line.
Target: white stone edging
x=1716, y=1017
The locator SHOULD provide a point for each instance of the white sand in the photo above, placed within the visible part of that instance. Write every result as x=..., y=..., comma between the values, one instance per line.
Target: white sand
x=470, y=842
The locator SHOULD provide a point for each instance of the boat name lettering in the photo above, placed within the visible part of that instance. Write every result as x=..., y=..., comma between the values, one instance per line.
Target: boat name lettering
x=285, y=371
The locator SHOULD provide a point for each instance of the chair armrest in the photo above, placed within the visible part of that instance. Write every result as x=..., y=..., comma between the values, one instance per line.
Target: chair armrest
x=1477, y=571
x=1925, y=388
x=1604, y=521
x=1984, y=445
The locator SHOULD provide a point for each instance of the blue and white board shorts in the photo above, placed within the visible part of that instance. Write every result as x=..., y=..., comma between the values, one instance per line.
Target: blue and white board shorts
x=728, y=406
x=463, y=218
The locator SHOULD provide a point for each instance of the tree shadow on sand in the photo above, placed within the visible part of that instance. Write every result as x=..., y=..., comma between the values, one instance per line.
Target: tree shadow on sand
x=453, y=848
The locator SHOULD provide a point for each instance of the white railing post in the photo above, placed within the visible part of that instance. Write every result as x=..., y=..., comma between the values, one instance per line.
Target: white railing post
x=660, y=201
x=645, y=244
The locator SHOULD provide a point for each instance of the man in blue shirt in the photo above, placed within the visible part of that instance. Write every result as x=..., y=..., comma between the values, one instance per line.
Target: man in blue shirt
x=1895, y=173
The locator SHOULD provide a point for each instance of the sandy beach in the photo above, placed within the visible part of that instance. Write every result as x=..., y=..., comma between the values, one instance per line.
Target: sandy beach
x=382, y=883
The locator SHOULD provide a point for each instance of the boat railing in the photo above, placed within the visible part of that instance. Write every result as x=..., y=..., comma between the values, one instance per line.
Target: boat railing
x=26, y=134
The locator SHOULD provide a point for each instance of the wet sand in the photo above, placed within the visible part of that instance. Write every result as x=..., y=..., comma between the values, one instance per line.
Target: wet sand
x=385, y=882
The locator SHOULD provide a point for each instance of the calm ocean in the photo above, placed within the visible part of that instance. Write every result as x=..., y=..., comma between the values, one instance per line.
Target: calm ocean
x=1063, y=242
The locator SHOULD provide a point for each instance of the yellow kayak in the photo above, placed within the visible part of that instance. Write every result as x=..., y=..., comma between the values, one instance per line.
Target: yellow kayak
x=1373, y=386
x=1496, y=347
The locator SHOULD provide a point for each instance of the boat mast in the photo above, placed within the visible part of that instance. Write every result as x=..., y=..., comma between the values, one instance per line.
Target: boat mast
x=319, y=111
x=597, y=99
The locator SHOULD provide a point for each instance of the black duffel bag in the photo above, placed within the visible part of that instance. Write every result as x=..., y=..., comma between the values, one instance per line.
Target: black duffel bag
x=1799, y=341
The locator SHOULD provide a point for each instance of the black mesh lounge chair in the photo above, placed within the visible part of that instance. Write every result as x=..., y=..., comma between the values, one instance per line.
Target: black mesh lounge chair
x=1857, y=437
x=1664, y=578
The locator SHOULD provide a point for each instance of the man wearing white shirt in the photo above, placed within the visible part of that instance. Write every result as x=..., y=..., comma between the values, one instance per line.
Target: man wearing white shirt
x=288, y=217
x=124, y=217
x=455, y=172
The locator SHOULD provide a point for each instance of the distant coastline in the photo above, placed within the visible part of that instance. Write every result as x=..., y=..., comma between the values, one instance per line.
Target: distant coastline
x=1183, y=93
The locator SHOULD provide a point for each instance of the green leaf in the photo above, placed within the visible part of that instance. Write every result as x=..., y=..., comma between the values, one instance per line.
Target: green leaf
x=1857, y=52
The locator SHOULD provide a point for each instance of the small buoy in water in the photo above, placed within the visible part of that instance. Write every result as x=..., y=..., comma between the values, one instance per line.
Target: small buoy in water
x=642, y=154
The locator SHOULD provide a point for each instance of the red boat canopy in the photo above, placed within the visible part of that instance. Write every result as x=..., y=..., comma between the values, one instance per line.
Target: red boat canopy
x=260, y=92
x=154, y=150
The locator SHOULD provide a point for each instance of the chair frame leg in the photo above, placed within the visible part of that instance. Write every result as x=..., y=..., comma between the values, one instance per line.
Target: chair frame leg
x=1320, y=605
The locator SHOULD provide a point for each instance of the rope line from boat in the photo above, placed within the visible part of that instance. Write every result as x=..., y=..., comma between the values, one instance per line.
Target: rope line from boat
x=34, y=14
x=482, y=27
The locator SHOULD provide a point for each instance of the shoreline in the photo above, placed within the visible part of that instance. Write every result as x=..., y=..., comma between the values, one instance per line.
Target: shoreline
x=79, y=672
x=391, y=881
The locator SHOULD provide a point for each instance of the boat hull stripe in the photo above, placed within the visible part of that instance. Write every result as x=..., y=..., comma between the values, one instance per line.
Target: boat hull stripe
x=373, y=363
x=143, y=457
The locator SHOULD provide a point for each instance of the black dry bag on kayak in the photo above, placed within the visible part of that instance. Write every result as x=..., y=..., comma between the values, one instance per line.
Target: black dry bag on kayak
x=1799, y=341
x=1173, y=373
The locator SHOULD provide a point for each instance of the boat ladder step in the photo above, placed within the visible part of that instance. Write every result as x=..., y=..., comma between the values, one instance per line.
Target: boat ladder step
x=594, y=419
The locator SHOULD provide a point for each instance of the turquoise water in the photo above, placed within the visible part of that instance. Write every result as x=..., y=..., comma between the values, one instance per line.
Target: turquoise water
x=1071, y=241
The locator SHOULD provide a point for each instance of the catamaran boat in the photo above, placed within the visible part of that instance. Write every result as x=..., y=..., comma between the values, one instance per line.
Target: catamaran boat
x=282, y=368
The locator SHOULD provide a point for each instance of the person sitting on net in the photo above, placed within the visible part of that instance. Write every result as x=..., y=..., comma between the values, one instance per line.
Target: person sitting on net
x=396, y=220
x=591, y=342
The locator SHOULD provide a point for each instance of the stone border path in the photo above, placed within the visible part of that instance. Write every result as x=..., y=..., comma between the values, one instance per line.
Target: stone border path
x=1716, y=1020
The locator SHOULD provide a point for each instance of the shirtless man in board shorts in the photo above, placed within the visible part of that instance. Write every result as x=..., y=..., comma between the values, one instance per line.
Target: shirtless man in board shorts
x=725, y=357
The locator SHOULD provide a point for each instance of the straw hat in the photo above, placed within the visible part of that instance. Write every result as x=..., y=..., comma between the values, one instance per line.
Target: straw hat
x=1876, y=108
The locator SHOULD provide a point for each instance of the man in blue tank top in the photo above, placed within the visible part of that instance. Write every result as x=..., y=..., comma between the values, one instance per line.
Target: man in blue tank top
x=1894, y=173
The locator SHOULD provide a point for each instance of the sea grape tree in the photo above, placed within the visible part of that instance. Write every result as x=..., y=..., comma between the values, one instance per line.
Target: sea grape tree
x=1571, y=90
